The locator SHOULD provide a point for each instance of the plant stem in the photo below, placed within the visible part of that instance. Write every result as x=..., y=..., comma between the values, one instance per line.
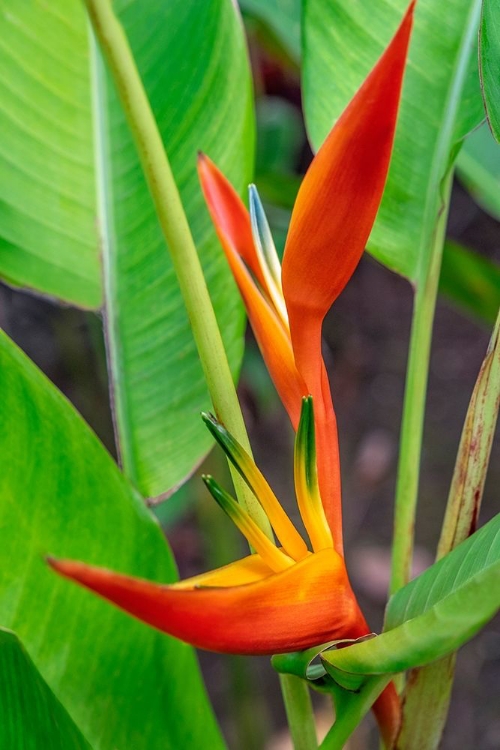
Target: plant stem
x=414, y=406
x=299, y=712
x=176, y=231
x=350, y=708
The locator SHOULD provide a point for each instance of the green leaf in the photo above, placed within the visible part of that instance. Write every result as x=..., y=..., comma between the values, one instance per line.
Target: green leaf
x=61, y=493
x=470, y=281
x=281, y=135
x=282, y=18
x=201, y=96
x=194, y=64
x=440, y=104
x=30, y=714
x=431, y=616
x=489, y=60
x=48, y=237
x=478, y=167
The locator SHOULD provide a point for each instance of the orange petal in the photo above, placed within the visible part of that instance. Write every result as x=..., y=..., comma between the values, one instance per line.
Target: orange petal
x=273, y=340
x=307, y=604
x=276, y=349
x=337, y=204
x=230, y=217
x=233, y=226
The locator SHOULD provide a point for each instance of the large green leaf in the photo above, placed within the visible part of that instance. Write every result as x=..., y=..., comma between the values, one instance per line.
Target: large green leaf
x=196, y=75
x=489, y=56
x=48, y=237
x=193, y=60
x=440, y=104
x=433, y=615
x=30, y=714
x=478, y=166
x=61, y=493
x=282, y=17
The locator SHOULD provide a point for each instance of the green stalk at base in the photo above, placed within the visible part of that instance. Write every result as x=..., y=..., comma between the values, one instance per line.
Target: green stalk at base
x=299, y=712
x=350, y=708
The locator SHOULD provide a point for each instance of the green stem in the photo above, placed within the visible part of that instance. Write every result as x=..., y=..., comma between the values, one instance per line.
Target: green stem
x=298, y=706
x=350, y=708
x=176, y=231
x=414, y=406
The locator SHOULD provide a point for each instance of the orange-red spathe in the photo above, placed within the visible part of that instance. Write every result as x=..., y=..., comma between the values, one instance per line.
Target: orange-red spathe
x=307, y=604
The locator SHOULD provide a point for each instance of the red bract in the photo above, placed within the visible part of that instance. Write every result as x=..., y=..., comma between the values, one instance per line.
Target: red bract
x=287, y=598
x=266, y=616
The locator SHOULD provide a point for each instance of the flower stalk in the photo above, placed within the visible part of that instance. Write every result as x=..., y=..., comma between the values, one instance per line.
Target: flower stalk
x=414, y=407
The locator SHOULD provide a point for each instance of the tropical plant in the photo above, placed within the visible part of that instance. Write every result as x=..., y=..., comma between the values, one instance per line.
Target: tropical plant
x=104, y=121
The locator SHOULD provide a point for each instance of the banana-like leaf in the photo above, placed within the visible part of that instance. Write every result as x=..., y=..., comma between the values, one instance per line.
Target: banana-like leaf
x=441, y=103
x=48, y=234
x=61, y=493
x=433, y=615
x=30, y=714
x=489, y=58
x=470, y=281
x=478, y=166
x=64, y=133
x=282, y=18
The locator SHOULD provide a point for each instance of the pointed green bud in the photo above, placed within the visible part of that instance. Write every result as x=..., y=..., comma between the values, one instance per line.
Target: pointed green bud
x=306, y=480
x=285, y=531
x=272, y=556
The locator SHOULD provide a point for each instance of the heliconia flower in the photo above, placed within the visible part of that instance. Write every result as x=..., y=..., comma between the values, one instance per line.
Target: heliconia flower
x=331, y=221
x=278, y=599
x=288, y=597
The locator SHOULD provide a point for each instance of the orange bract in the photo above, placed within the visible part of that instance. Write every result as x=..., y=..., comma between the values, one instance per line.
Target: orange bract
x=295, y=609
x=337, y=204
